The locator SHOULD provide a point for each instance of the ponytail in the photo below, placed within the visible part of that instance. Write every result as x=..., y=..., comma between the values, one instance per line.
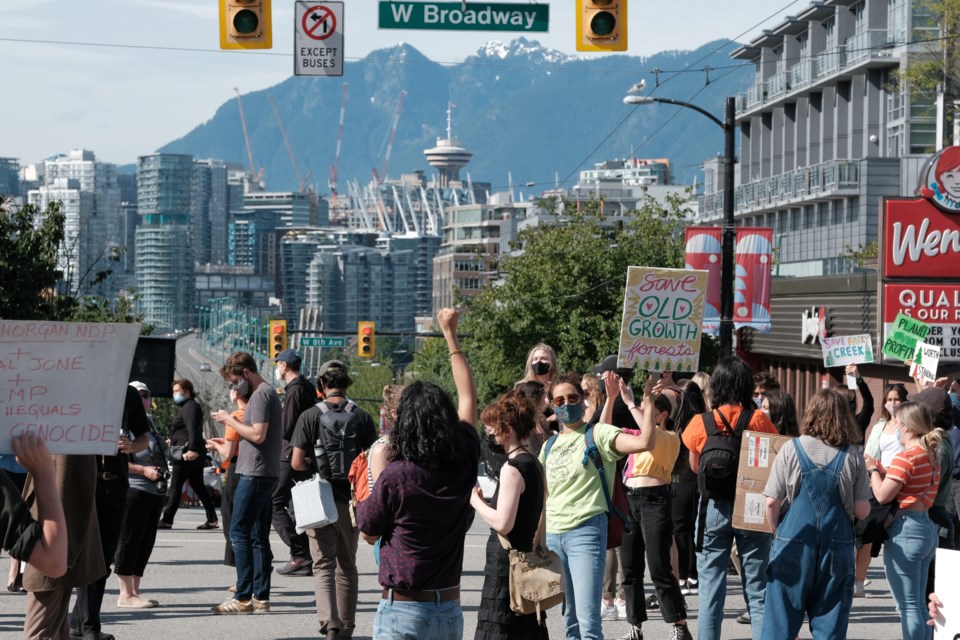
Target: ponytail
x=930, y=443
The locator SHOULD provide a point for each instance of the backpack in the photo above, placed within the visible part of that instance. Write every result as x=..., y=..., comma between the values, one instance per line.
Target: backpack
x=359, y=476
x=616, y=504
x=337, y=444
x=720, y=457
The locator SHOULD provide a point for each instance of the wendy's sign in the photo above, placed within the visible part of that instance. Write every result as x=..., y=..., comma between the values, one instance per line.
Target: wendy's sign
x=919, y=240
x=940, y=180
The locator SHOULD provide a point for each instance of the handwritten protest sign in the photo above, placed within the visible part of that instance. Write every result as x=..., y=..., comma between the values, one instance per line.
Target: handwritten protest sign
x=925, y=361
x=662, y=319
x=947, y=588
x=65, y=382
x=905, y=333
x=839, y=351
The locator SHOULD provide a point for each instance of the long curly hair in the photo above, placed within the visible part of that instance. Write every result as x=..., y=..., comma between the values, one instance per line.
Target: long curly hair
x=426, y=432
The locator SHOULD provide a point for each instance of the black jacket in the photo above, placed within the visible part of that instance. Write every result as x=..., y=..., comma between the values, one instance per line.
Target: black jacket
x=299, y=396
x=187, y=428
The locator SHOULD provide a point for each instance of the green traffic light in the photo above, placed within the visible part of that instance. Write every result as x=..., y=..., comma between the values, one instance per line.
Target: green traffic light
x=603, y=23
x=246, y=21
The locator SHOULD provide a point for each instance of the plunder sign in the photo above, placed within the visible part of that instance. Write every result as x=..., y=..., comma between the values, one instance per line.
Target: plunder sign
x=457, y=16
x=936, y=305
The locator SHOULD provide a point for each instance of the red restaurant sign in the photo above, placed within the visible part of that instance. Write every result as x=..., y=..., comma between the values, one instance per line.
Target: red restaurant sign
x=920, y=241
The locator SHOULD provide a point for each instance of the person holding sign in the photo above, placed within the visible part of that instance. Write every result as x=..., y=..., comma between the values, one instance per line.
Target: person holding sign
x=823, y=480
x=911, y=479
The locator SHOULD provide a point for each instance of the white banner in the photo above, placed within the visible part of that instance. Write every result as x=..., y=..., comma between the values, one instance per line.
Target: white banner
x=839, y=351
x=926, y=359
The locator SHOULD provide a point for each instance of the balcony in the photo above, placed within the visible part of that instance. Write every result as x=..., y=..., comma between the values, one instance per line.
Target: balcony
x=865, y=45
x=752, y=97
x=830, y=61
x=832, y=178
x=801, y=74
x=777, y=85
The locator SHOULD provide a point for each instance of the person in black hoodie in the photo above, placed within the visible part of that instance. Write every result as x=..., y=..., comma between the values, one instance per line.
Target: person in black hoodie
x=298, y=396
x=189, y=451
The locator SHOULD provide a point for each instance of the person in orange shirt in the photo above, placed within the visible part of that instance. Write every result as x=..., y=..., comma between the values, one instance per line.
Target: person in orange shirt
x=227, y=448
x=731, y=387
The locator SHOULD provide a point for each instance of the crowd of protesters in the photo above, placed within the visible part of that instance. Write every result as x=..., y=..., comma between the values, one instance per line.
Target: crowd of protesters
x=581, y=468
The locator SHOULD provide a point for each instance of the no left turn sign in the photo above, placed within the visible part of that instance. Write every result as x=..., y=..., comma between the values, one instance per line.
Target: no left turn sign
x=318, y=38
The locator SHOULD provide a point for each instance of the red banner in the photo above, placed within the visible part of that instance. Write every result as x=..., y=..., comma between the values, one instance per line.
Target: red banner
x=920, y=241
x=703, y=251
x=751, y=297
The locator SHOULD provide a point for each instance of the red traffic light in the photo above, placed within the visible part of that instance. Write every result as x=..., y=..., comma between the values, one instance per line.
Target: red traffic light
x=366, y=330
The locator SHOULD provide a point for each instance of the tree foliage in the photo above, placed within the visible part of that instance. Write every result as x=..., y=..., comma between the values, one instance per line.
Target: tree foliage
x=564, y=285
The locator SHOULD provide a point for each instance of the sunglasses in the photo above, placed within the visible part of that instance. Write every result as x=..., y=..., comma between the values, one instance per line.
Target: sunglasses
x=573, y=398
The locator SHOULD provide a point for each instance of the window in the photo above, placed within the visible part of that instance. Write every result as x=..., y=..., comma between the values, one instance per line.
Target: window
x=795, y=220
x=823, y=213
x=897, y=21
x=837, y=217
x=853, y=209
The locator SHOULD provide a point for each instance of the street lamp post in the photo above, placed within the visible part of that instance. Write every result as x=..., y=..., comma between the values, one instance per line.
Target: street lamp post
x=728, y=124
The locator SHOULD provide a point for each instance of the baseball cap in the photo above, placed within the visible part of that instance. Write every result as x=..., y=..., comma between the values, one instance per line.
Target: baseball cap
x=610, y=364
x=139, y=386
x=330, y=364
x=290, y=356
x=936, y=399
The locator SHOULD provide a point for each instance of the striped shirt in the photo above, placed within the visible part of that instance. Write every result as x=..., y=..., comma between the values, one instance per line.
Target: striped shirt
x=919, y=478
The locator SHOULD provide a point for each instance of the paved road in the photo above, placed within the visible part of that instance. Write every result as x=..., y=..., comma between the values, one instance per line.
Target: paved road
x=187, y=576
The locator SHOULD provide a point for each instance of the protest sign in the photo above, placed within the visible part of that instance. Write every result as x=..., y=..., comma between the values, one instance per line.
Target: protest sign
x=65, y=382
x=662, y=319
x=925, y=361
x=905, y=333
x=839, y=351
x=947, y=588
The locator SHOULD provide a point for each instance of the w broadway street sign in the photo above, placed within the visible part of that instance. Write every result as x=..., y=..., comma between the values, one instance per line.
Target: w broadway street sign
x=456, y=16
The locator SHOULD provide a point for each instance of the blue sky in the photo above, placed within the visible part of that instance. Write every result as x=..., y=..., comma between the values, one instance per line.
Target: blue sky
x=122, y=102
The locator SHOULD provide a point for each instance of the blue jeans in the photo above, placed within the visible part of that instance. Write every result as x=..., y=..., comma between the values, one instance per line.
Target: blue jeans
x=418, y=621
x=583, y=551
x=250, y=536
x=906, y=558
x=713, y=561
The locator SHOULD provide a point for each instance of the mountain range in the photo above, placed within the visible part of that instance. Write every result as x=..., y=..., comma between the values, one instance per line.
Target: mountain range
x=522, y=109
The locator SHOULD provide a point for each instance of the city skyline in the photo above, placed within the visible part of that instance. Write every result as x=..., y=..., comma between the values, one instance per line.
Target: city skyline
x=123, y=102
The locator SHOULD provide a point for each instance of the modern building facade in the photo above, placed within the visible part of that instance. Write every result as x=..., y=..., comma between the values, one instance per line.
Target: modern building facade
x=827, y=130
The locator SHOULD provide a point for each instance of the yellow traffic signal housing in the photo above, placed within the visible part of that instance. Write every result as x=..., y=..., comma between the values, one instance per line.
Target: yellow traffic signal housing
x=277, y=337
x=245, y=24
x=366, y=338
x=601, y=25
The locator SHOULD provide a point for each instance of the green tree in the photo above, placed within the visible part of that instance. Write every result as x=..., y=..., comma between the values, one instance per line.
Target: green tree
x=564, y=286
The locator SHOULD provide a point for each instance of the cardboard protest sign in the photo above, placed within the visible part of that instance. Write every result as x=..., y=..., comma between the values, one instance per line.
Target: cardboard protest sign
x=757, y=453
x=662, y=319
x=66, y=382
x=839, y=351
x=925, y=361
x=905, y=333
x=947, y=588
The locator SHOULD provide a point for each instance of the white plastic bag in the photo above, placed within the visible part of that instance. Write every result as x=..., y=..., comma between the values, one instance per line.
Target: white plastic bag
x=313, y=504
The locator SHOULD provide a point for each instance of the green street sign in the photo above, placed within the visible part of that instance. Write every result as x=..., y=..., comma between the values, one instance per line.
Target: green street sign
x=323, y=341
x=457, y=16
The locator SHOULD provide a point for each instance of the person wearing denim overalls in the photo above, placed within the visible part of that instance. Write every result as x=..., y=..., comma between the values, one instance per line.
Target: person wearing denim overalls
x=811, y=567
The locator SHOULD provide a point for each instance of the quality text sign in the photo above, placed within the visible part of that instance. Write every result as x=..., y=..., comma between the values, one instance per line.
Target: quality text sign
x=902, y=339
x=839, y=351
x=925, y=362
x=662, y=319
x=65, y=382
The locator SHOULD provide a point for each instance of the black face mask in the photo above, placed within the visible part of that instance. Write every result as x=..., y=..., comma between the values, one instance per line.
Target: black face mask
x=491, y=442
x=541, y=368
x=243, y=388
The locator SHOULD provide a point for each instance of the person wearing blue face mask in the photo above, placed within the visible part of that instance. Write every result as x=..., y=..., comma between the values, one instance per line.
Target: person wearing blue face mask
x=576, y=507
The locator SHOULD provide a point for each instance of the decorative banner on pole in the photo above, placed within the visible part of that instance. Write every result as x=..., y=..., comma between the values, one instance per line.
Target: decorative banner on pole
x=662, y=319
x=65, y=382
x=839, y=351
x=905, y=333
x=925, y=361
x=703, y=251
x=753, y=282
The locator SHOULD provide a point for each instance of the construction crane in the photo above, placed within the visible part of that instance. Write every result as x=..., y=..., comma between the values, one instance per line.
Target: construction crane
x=254, y=177
x=302, y=181
x=335, y=167
x=391, y=137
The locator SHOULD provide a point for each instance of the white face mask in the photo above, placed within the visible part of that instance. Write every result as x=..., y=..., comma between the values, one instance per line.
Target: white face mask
x=278, y=376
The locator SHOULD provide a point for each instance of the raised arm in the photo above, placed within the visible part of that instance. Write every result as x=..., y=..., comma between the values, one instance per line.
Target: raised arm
x=462, y=374
x=611, y=382
x=648, y=429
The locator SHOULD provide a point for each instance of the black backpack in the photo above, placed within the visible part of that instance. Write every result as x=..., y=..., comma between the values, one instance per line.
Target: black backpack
x=338, y=441
x=717, y=477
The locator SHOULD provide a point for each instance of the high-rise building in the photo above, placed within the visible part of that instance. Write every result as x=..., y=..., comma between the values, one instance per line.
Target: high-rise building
x=165, y=278
x=10, y=177
x=208, y=211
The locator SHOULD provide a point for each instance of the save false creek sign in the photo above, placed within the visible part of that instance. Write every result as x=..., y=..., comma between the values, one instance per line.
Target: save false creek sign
x=458, y=16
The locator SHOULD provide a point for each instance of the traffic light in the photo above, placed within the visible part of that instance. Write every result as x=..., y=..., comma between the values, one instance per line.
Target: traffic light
x=601, y=25
x=277, y=338
x=366, y=338
x=245, y=24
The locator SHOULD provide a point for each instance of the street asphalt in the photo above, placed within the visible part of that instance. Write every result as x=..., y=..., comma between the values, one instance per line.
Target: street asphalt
x=187, y=576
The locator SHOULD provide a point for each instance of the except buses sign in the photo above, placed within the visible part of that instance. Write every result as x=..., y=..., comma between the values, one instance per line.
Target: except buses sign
x=457, y=16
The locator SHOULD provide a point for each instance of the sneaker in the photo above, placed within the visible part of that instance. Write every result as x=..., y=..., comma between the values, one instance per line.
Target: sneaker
x=233, y=606
x=693, y=587
x=744, y=618
x=859, y=590
x=866, y=583
x=680, y=632
x=635, y=633
x=210, y=524
x=652, y=603
x=296, y=567
x=136, y=602
x=621, y=606
x=608, y=611
x=261, y=605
